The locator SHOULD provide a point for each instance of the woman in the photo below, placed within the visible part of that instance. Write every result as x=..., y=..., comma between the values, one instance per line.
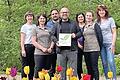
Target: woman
x=80, y=20
x=108, y=28
x=42, y=40
x=27, y=48
x=91, y=35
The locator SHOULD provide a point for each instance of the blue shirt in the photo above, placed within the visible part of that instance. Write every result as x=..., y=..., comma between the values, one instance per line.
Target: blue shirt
x=50, y=24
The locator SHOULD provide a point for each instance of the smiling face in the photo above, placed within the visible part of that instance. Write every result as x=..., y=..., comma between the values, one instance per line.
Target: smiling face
x=29, y=18
x=55, y=15
x=89, y=16
x=101, y=13
x=80, y=18
x=42, y=20
x=64, y=13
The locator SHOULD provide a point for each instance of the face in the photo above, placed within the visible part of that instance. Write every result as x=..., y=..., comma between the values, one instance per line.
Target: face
x=89, y=17
x=101, y=13
x=80, y=18
x=42, y=20
x=64, y=13
x=29, y=18
x=54, y=15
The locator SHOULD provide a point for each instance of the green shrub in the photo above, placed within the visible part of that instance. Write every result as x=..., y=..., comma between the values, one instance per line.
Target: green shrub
x=117, y=61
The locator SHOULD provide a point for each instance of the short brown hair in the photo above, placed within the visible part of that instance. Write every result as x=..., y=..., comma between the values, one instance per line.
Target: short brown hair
x=28, y=13
x=99, y=7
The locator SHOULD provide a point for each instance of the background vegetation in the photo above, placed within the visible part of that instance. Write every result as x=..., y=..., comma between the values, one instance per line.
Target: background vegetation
x=11, y=20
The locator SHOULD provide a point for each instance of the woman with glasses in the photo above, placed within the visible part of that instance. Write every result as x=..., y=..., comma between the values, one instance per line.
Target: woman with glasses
x=108, y=28
x=42, y=40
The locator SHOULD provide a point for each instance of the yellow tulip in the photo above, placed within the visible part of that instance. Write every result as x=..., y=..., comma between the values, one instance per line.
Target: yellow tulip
x=41, y=75
x=24, y=78
x=110, y=74
x=54, y=78
x=8, y=71
x=26, y=70
x=73, y=78
x=47, y=76
x=69, y=72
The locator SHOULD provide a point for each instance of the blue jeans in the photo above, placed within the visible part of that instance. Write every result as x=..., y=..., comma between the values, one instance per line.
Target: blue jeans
x=108, y=60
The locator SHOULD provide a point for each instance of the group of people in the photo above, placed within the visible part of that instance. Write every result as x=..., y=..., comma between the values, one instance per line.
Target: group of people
x=89, y=38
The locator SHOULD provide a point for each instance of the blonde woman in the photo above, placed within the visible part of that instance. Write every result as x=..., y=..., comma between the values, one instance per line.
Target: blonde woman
x=93, y=38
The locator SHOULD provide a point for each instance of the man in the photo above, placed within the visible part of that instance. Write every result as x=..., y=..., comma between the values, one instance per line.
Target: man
x=54, y=19
x=67, y=55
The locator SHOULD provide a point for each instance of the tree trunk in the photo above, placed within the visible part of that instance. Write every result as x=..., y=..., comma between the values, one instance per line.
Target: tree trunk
x=9, y=10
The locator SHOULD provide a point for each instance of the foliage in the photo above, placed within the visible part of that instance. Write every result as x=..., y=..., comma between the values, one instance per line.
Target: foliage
x=12, y=18
x=118, y=42
x=117, y=61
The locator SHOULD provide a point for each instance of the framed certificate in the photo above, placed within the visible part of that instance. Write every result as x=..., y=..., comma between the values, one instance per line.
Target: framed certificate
x=64, y=39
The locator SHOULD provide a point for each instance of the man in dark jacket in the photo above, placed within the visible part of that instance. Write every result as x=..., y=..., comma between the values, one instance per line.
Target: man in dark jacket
x=67, y=55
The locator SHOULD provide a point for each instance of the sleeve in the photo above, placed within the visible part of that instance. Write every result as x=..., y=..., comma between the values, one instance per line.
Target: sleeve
x=78, y=31
x=98, y=34
x=23, y=29
x=34, y=32
x=53, y=33
x=112, y=23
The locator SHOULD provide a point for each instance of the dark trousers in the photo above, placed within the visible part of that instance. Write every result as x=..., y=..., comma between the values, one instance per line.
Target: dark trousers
x=53, y=64
x=79, y=62
x=28, y=61
x=41, y=62
x=91, y=59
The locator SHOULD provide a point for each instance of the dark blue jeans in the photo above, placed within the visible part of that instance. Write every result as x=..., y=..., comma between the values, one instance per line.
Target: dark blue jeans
x=91, y=59
x=28, y=60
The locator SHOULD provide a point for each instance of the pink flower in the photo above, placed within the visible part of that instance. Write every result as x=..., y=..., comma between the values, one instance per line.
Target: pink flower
x=13, y=71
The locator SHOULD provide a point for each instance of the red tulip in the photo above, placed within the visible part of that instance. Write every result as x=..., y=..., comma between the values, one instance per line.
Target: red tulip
x=86, y=77
x=59, y=68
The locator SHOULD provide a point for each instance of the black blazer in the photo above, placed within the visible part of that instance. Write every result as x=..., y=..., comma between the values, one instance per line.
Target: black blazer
x=98, y=34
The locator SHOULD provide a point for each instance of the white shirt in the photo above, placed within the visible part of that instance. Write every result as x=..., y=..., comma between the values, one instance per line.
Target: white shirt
x=27, y=30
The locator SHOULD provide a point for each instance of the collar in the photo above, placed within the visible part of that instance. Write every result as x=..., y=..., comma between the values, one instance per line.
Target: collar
x=44, y=28
x=65, y=21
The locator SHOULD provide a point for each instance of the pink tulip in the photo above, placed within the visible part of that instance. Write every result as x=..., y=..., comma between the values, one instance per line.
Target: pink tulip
x=13, y=71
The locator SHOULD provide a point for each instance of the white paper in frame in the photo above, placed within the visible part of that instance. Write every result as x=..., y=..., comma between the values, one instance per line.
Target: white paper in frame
x=64, y=39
